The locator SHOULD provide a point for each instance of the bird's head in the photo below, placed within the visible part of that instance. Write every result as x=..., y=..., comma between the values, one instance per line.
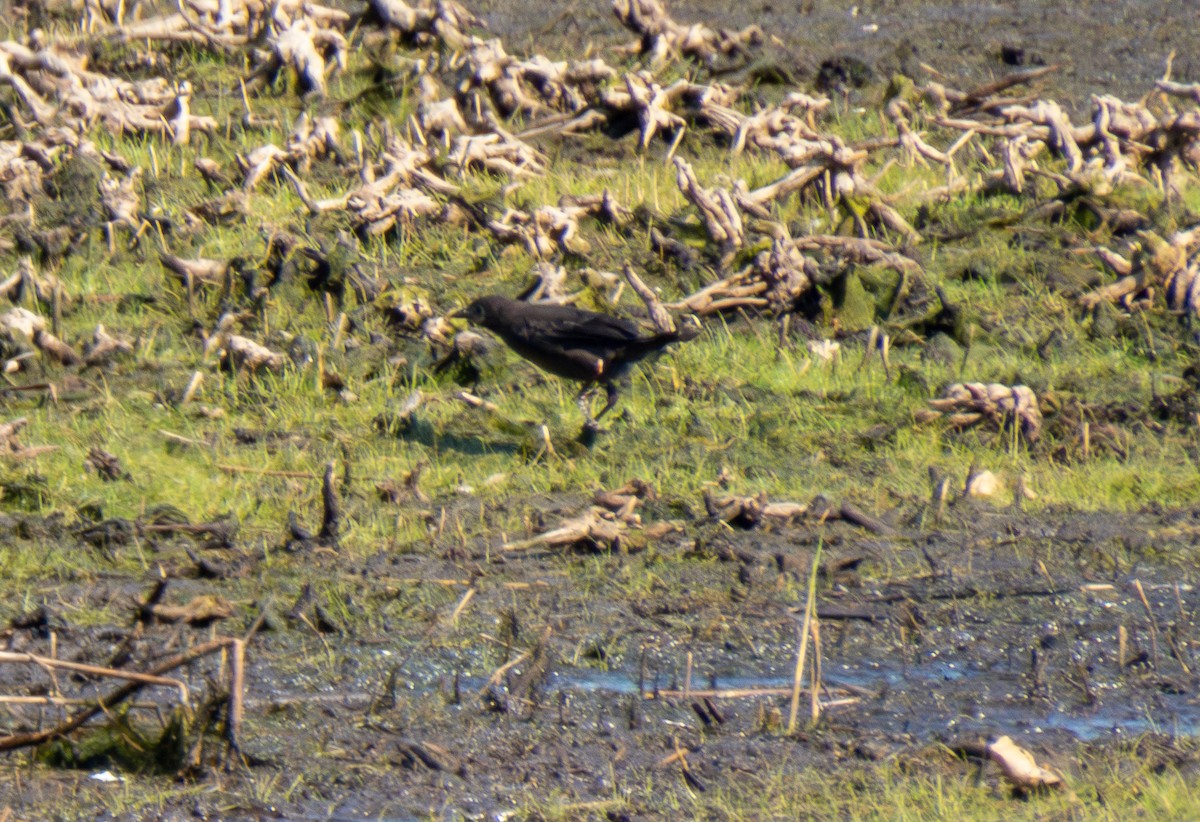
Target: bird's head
x=482, y=311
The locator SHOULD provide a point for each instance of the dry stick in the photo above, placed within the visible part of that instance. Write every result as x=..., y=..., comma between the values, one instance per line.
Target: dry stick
x=237, y=687
x=65, y=701
x=96, y=670
x=721, y=693
x=809, y=608
x=245, y=469
x=56, y=316
x=1137, y=583
x=676, y=756
x=454, y=583
x=1177, y=652
x=182, y=440
x=658, y=314
x=546, y=443
x=499, y=673
x=191, y=298
x=101, y=704
x=743, y=693
x=1175, y=647
x=331, y=516
x=255, y=626
x=448, y=583
x=815, y=671
x=462, y=605
x=477, y=402
x=872, y=341
x=674, y=145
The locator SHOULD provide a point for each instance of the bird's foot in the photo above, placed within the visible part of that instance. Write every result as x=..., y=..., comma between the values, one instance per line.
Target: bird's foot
x=591, y=430
x=610, y=399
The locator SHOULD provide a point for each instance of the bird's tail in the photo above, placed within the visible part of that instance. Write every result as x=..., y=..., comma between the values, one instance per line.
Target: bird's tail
x=690, y=331
x=650, y=345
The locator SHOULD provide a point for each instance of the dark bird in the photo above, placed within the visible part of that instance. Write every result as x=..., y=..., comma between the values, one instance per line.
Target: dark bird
x=585, y=346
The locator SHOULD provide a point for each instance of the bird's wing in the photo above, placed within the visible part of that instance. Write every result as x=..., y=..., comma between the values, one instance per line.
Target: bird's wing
x=593, y=332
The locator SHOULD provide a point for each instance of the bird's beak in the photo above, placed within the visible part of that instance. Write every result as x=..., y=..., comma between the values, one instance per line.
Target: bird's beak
x=457, y=315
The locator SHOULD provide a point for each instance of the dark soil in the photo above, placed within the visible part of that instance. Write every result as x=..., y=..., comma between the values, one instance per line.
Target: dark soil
x=564, y=676
x=1117, y=48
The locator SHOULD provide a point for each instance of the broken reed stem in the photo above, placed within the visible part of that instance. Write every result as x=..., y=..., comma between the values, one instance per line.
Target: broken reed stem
x=65, y=701
x=103, y=703
x=451, y=583
x=805, y=627
x=687, y=678
x=815, y=670
x=742, y=693
x=462, y=605
x=96, y=670
x=237, y=693
x=1137, y=584
x=262, y=472
x=499, y=673
x=422, y=581
x=658, y=314
x=179, y=439
x=798, y=675
x=872, y=341
x=719, y=693
x=56, y=316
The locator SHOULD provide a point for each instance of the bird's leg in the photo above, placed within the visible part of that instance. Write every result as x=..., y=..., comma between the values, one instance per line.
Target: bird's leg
x=611, y=393
x=585, y=406
x=591, y=428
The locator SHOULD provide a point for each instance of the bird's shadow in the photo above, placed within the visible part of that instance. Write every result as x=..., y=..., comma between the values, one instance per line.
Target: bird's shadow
x=589, y=434
x=422, y=432
x=468, y=433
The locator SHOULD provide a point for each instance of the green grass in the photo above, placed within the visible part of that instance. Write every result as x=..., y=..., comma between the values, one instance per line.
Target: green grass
x=772, y=418
x=932, y=787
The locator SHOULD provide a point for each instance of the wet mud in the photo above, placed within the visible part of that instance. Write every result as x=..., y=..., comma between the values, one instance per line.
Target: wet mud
x=577, y=678
x=1101, y=47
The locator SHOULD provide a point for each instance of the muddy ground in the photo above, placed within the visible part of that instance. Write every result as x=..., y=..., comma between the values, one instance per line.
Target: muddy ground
x=397, y=702
x=563, y=681
x=1117, y=48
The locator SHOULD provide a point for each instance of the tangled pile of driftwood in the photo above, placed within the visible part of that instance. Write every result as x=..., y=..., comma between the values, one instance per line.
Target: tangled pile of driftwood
x=969, y=404
x=480, y=110
x=468, y=92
